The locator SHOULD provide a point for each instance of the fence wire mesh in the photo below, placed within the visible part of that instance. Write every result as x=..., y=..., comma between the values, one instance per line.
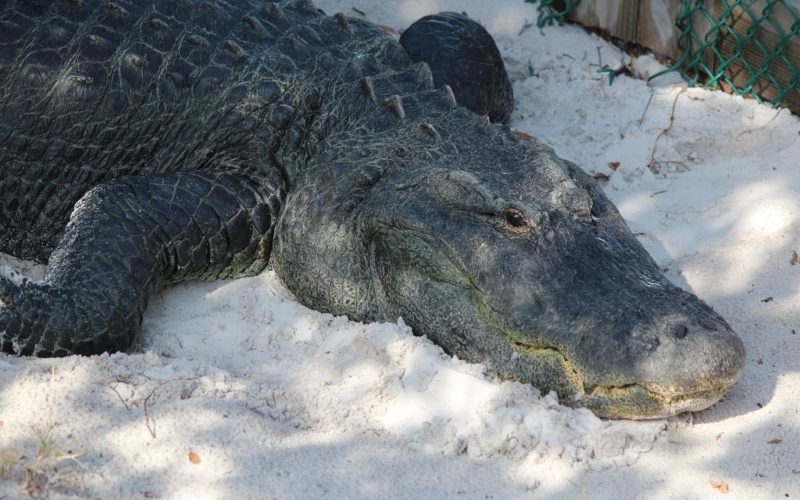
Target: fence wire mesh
x=553, y=11
x=749, y=47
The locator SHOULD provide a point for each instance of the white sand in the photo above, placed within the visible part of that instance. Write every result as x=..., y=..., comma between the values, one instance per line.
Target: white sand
x=276, y=400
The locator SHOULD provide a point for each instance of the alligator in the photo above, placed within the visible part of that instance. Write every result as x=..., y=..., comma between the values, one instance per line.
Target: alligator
x=148, y=142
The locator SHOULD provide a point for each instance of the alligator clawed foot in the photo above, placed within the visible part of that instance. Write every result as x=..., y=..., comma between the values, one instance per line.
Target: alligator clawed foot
x=33, y=318
x=10, y=293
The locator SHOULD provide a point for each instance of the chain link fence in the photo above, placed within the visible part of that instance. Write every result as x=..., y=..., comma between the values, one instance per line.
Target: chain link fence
x=749, y=47
x=553, y=11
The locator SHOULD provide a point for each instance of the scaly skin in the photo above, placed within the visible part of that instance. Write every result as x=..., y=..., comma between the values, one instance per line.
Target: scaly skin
x=143, y=143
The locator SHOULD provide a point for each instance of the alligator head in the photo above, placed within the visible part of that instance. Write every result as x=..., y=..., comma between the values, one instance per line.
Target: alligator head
x=504, y=254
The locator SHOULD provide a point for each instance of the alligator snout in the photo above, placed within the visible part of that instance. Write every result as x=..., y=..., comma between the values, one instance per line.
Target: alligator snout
x=682, y=363
x=631, y=344
x=673, y=329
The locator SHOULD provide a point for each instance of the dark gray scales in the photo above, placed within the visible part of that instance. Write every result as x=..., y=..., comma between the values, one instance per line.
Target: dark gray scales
x=144, y=143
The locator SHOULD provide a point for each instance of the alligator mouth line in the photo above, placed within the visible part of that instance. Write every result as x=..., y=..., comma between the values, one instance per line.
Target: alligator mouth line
x=630, y=401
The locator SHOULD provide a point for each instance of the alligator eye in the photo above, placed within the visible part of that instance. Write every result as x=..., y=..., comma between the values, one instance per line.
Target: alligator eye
x=515, y=219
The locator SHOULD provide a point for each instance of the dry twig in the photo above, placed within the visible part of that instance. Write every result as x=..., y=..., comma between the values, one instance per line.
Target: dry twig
x=653, y=165
x=647, y=106
x=756, y=129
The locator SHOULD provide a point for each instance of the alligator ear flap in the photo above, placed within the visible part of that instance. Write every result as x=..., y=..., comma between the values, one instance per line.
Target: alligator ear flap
x=462, y=189
x=455, y=188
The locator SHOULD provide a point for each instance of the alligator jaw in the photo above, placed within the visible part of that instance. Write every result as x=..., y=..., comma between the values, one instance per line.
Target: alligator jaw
x=629, y=401
x=637, y=402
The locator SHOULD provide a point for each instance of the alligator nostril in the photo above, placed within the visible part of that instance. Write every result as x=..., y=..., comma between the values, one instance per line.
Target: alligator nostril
x=708, y=324
x=680, y=331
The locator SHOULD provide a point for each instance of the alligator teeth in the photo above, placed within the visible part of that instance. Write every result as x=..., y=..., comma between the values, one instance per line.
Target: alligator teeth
x=368, y=89
x=395, y=105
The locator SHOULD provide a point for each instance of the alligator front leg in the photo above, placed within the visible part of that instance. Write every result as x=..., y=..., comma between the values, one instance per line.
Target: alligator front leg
x=127, y=239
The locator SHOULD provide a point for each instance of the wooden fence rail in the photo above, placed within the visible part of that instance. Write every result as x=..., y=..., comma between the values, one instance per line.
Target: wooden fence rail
x=740, y=55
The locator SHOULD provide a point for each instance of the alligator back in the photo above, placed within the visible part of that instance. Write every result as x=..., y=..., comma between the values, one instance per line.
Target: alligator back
x=92, y=90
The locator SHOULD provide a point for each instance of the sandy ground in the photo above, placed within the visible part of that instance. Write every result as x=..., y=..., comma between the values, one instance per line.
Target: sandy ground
x=238, y=391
